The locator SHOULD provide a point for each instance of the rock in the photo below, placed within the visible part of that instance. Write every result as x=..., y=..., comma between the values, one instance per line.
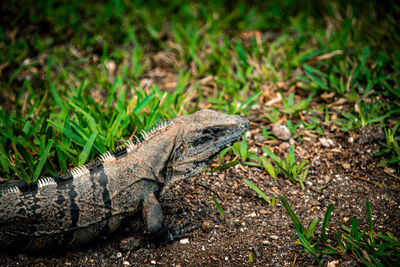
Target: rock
x=126, y=263
x=346, y=165
x=184, y=241
x=207, y=226
x=326, y=142
x=390, y=170
x=281, y=132
x=253, y=214
x=332, y=263
x=284, y=146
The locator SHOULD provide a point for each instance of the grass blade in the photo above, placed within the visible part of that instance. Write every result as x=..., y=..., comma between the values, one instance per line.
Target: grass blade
x=91, y=121
x=354, y=227
x=327, y=217
x=42, y=160
x=56, y=97
x=21, y=141
x=227, y=165
x=86, y=149
x=272, y=155
x=258, y=191
x=311, y=229
x=243, y=149
x=371, y=226
x=144, y=103
x=306, y=244
x=292, y=215
x=219, y=206
x=268, y=167
x=291, y=156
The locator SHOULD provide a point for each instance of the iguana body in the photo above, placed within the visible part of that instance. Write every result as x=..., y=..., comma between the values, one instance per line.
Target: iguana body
x=96, y=198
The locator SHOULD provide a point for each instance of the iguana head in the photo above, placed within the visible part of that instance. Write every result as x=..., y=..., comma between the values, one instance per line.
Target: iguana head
x=204, y=134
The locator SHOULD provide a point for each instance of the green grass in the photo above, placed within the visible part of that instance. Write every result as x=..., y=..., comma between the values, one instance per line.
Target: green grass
x=391, y=149
x=367, y=247
x=260, y=193
x=296, y=172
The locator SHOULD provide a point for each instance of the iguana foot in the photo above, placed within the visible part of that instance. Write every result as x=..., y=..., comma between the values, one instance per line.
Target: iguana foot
x=179, y=231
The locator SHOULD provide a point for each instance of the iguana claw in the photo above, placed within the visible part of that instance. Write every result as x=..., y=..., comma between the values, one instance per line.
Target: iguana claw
x=179, y=231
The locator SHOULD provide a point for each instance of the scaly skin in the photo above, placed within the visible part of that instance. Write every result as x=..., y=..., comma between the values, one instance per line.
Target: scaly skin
x=99, y=197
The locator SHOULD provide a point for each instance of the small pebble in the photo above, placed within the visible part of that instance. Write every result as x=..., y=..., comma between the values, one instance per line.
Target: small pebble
x=346, y=165
x=281, y=131
x=207, y=226
x=153, y=262
x=284, y=146
x=253, y=214
x=126, y=263
x=184, y=241
x=333, y=263
x=326, y=142
x=275, y=237
x=263, y=212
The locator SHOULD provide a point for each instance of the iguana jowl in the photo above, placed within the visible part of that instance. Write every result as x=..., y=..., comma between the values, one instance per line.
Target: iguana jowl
x=97, y=198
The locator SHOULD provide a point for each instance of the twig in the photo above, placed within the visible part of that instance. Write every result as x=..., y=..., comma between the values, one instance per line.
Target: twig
x=391, y=174
x=294, y=259
x=367, y=180
x=328, y=55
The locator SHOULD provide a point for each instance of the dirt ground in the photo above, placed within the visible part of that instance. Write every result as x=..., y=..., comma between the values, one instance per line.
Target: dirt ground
x=344, y=174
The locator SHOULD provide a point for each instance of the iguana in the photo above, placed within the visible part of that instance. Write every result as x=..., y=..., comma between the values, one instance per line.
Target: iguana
x=97, y=198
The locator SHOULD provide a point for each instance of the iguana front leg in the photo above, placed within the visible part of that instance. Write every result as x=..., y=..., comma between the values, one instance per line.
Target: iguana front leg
x=154, y=219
